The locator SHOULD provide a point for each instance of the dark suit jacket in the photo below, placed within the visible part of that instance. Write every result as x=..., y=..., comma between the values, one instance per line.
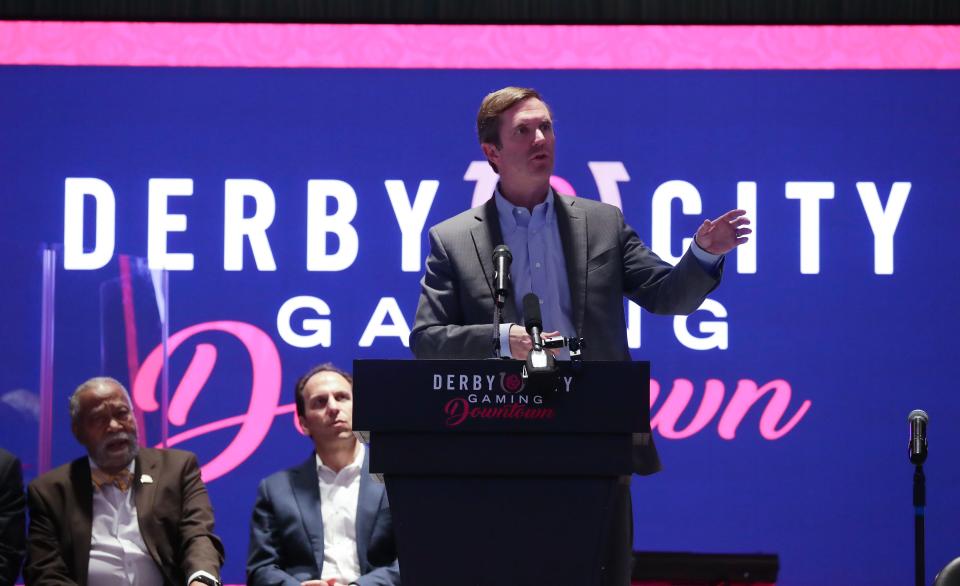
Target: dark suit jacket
x=11, y=518
x=174, y=513
x=286, y=533
x=605, y=261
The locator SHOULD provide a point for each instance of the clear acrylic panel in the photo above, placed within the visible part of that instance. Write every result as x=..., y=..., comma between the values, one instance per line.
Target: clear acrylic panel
x=62, y=327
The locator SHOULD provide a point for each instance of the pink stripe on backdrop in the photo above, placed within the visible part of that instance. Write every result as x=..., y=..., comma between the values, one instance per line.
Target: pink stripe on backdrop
x=479, y=46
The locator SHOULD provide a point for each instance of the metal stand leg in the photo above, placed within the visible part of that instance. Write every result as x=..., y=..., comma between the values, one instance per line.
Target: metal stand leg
x=919, y=505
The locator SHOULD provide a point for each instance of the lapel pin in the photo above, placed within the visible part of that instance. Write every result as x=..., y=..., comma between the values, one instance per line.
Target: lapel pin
x=146, y=479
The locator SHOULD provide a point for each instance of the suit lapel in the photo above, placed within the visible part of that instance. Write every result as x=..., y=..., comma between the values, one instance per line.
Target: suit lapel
x=144, y=498
x=368, y=501
x=81, y=522
x=306, y=490
x=572, y=224
x=487, y=236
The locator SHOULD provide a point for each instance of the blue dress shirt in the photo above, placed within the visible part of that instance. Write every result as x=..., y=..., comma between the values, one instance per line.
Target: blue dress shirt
x=539, y=266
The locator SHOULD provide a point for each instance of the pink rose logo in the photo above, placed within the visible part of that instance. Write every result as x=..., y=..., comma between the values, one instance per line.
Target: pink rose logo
x=511, y=383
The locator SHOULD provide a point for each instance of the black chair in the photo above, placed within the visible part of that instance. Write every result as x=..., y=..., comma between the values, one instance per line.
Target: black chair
x=949, y=575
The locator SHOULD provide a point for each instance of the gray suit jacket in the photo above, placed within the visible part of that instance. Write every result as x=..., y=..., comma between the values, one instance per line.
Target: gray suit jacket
x=605, y=260
x=286, y=533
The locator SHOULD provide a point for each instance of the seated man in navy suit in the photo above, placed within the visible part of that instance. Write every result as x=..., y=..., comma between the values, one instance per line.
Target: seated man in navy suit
x=325, y=522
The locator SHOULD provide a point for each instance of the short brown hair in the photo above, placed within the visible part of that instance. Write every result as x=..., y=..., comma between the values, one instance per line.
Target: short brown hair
x=496, y=103
x=302, y=382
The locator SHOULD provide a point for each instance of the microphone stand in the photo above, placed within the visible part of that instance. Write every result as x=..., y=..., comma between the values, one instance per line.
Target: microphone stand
x=919, y=504
x=497, y=318
x=501, y=290
x=918, y=455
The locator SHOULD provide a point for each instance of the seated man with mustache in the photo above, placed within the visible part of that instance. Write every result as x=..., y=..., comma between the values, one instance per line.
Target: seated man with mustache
x=122, y=514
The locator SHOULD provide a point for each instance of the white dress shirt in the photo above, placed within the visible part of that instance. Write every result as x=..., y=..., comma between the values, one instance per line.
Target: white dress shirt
x=339, y=493
x=118, y=554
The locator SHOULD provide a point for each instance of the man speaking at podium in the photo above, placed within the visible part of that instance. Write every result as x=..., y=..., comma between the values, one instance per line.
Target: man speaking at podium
x=577, y=255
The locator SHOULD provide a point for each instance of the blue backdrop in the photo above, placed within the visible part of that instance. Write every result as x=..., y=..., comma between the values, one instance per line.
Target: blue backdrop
x=850, y=352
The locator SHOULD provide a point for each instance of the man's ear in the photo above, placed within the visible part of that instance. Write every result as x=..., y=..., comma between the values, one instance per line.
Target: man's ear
x=303, y=425
x=491, y=151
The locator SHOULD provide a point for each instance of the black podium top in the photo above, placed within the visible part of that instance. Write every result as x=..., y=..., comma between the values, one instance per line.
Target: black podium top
x=481, y=417
x=490, y=396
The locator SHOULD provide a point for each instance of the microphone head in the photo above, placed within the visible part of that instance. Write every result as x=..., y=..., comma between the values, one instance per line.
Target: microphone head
x=918, y=436
x=531, y=312
x=504, y=251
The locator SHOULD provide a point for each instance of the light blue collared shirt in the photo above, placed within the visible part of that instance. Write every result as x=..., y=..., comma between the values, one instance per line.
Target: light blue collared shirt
x=539, y=266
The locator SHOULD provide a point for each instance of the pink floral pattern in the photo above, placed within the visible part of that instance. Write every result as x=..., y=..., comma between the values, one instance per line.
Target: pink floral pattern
x=479, y=46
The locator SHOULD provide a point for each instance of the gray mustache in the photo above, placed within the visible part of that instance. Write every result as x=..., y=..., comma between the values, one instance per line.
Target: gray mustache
x=123, y=435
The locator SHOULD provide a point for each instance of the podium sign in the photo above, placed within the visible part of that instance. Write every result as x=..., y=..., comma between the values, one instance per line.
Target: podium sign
x=498, y=479
x=457, y=396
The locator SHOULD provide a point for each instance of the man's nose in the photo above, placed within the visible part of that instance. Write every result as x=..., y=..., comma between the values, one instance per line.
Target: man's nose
x=539, y=136
x=115, y=424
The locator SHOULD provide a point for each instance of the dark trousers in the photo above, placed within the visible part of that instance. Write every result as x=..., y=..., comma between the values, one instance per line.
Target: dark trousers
x=618, y=549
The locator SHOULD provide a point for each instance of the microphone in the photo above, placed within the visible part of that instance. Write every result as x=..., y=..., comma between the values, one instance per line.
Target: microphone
x=918, y=436
x=539, y=361
x=532, y=320
x=501, y=274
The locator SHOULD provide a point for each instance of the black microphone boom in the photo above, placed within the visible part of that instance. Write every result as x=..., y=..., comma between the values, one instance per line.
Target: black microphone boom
x=532, y=319
x=501, y=274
